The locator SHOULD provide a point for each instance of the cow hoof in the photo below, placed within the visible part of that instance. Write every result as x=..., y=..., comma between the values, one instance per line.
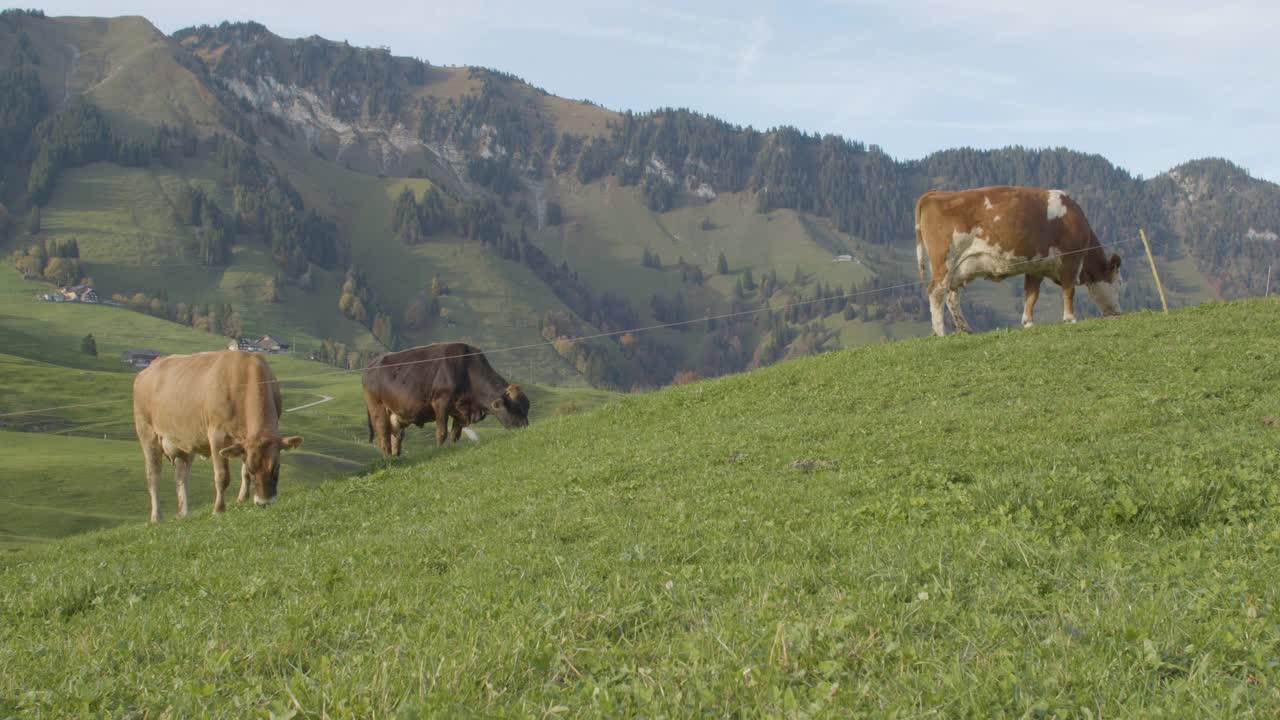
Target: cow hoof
x=1027, y=324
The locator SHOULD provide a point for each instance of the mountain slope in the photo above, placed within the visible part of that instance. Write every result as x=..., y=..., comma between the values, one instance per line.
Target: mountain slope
x=854, y=533
x=550, y=218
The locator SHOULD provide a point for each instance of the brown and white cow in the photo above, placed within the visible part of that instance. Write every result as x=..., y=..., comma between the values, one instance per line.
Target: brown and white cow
x=436, y=382
x=220, y=405
x=1001, y=231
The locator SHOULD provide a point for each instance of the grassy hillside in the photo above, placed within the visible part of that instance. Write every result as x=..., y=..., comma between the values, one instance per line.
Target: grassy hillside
x=350, y=128
x=49, y=490
x=1064, y=521
x=118, y=63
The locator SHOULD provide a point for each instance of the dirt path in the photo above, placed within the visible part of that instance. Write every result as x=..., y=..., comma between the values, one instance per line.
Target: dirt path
x=324, y=399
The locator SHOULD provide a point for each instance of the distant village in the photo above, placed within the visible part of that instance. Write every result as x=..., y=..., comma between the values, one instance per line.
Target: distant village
x=140, y=358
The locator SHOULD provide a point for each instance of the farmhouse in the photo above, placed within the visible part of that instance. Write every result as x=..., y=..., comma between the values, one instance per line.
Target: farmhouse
x=139, y=358
x=266, y=343
x=273, y=344
x=75, y=293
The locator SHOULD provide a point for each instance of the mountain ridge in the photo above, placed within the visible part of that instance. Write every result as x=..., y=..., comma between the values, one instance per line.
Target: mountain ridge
x=552, y=192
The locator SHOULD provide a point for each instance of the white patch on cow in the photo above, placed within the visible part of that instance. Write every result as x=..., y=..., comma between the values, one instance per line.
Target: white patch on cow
x=1026, y=320
x=1056, y=208
x=1106, y=296
x=261, y=501
x=995, y=219
x=987, y=201
x=972, y=257
x=470, y=434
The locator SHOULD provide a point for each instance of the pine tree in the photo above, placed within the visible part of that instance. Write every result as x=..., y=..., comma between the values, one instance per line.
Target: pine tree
x=722, y=265
x=88, y=345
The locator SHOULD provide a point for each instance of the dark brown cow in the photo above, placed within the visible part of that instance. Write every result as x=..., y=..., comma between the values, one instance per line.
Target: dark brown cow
x=998, y=232
x=217, y=404
x=436, y=382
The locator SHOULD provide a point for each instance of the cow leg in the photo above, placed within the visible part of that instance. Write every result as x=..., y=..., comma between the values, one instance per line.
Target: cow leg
x=1068, y=303
x=953, y=304
x=456, y=431
x=1030, y=293
x=221, y=478
x=244, y=483
x=397, y=441
x=151, y=465
x=955, y=280
x=936, y=291
x=181, y=470
x=441, y=407
x=381, y=426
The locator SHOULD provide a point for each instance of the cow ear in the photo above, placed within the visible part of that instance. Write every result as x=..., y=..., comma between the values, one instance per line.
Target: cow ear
x=231, y=451
x=1115, y=262
x=513, y=391
x=291, y=442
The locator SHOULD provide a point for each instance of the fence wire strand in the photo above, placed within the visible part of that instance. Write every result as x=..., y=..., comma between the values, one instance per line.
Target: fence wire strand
x=595, y=336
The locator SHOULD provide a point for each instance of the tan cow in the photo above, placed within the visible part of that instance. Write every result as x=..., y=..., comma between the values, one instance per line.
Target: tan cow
x=220, y=405
x=998, y=232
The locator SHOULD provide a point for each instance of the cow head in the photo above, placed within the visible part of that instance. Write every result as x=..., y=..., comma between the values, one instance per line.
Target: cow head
x=512, y=408
x=1103, y=284
x=261, y=455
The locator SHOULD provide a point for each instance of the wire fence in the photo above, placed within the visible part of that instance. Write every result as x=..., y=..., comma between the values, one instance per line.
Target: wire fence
x=595, y=336
x=542, y=345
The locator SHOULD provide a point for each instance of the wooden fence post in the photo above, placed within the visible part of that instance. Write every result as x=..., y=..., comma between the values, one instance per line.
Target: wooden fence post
x=1155, y=273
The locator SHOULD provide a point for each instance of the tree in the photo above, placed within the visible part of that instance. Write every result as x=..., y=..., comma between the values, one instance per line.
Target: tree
x=88, y=345
x=231, y=326
x=6, y=222
x=272, y=289
x=438, y=286
x=33, y=220
x=62, y=271
x=555, y=215
x=684, y=377
x=722, y=265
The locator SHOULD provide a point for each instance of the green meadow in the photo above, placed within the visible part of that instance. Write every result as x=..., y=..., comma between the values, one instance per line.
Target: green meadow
x=75, y=464
x=1066, y=521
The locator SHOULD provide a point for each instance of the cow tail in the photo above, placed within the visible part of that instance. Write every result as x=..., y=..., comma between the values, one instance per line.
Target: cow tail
x=922, y=254
x=369, y=419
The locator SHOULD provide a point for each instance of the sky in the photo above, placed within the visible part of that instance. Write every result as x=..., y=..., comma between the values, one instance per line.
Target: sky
x=1149, y=84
